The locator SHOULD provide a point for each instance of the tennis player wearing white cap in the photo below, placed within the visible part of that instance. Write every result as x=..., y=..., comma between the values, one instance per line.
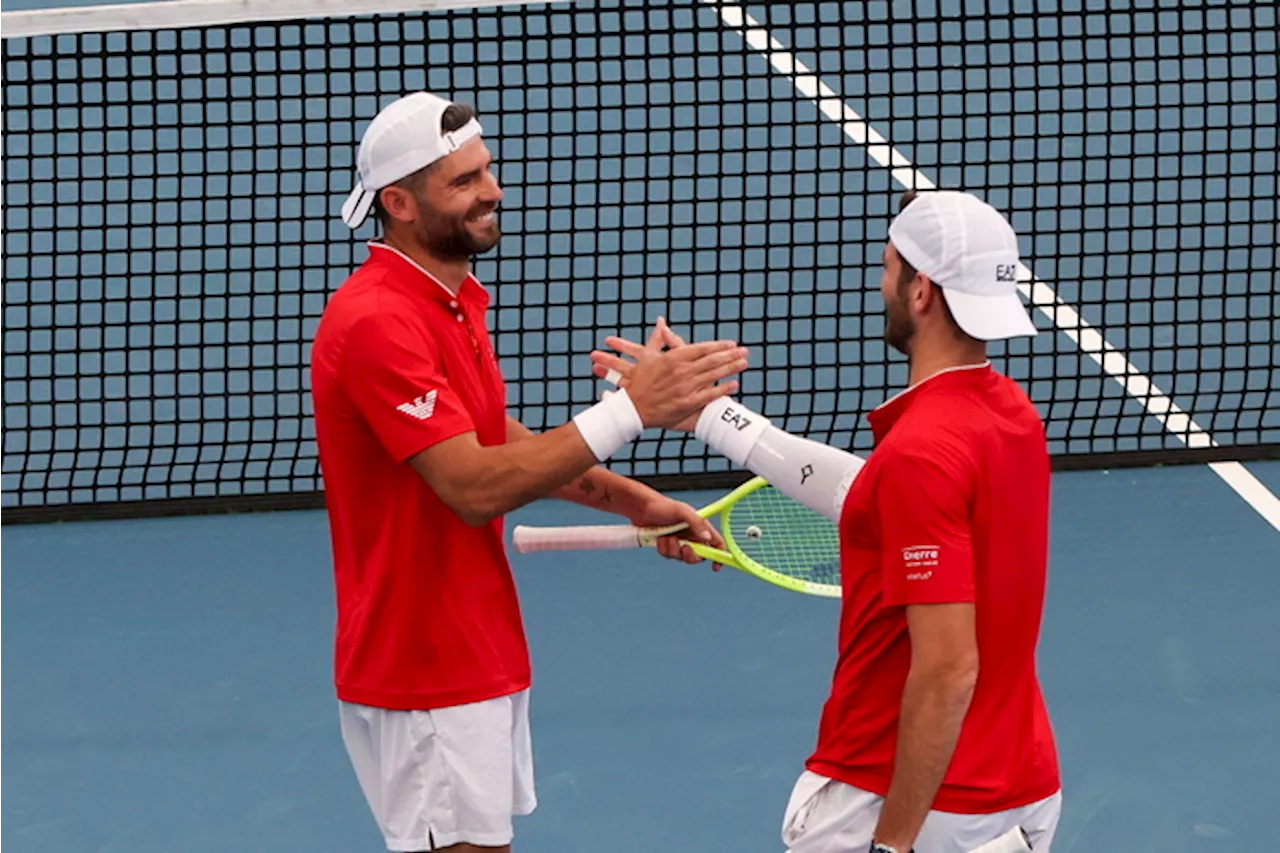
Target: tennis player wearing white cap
x=935, y=736
x=420, y=463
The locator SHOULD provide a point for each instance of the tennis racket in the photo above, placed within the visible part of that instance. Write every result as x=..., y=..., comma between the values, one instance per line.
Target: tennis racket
x=766, y=534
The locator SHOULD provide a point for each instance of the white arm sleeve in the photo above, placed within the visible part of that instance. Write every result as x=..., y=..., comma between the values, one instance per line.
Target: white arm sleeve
x=815, y=474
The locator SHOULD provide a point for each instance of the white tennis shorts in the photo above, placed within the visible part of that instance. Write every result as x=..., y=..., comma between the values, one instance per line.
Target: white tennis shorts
x=447, y=776
x=826, y=816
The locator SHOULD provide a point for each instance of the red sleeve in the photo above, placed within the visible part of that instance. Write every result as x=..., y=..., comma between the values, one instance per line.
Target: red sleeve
x=392, y=372
x=927, y=551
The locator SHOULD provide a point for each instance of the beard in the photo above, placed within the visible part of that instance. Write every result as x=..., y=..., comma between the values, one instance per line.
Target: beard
x=899, y=328
x=456, y=237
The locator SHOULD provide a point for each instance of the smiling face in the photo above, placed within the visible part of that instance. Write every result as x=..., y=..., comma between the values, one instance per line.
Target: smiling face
x=451, y=206
x=460, y=203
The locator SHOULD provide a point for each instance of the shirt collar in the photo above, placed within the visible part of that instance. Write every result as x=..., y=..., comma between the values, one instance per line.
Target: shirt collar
x=883, y=417
x=470, y=291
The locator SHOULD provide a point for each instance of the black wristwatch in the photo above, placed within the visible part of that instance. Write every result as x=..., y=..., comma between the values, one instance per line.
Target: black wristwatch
x=885, y=848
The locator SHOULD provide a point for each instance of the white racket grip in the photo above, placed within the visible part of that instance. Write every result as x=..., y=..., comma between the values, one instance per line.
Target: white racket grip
x=1013, y=841
x=583, y=538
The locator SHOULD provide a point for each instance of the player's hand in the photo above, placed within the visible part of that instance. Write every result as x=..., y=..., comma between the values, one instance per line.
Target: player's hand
x=617, y=369
x=690, y=364
x=659, y=511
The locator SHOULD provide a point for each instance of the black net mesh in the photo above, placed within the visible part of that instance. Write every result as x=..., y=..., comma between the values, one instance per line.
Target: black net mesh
x=170, y=201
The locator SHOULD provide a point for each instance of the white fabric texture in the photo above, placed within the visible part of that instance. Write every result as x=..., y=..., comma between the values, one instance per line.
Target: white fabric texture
x=815, y=474
x=826, y=816
x=731, y=428
x=967, y=248
x=445, y=776
x=403, y=137
x=609, y=425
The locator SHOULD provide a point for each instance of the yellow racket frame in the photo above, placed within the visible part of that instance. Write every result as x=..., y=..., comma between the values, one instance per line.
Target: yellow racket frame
x=733, y=555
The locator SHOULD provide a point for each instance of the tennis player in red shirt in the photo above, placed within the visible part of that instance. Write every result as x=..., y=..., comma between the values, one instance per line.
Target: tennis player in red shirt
x=421, y=461
x=935, y=736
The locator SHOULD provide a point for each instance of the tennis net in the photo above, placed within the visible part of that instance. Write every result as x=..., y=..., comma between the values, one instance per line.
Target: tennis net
x=173, y=172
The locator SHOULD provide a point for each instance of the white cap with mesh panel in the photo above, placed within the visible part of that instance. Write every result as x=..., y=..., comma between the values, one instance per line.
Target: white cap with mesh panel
x=403, y=138
x=969, y=250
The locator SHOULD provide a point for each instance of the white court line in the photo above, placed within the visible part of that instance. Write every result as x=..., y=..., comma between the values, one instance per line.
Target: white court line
x=1090, y=341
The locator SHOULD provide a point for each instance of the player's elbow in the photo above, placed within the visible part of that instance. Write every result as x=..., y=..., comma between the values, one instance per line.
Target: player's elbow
x=481, y=498
x=473, y=503
x=479, y=513
x=958, y=676
x=965, y=678
x=944, y=648
x=953, y=676
x=473, y=517
x=459, y=473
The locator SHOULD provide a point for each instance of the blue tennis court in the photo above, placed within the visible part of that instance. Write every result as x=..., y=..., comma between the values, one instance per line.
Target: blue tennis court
x=168, y=683
x=170, y=239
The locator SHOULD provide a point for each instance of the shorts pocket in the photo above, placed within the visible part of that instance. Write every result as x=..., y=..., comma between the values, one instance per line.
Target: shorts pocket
x=806, y=797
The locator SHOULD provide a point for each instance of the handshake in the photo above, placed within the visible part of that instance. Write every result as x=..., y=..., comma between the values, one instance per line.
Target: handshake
x=670, y=382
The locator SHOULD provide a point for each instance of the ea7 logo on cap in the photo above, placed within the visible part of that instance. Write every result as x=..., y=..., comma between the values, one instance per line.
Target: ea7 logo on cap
x=1006, y=272
x=421, y=408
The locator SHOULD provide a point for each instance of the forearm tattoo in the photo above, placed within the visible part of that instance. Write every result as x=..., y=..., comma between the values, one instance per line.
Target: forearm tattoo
x=588, y=488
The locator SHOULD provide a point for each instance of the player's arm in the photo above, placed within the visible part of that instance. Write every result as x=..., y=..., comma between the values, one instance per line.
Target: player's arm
x=940, y=685
x=923, y=504
x=391, y=371
x=815, y=474
x=481, y=483
x=602, y=489
x=598, y=487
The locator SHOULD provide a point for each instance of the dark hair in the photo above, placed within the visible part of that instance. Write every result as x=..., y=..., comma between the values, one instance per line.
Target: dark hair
x=453, y=118
x=908, y=272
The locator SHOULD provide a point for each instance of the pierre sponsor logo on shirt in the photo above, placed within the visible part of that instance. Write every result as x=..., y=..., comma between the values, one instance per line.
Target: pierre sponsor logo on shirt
x=421, y=408
x=920, y=560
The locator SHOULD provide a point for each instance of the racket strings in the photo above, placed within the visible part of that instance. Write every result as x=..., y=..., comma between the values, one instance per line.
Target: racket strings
x=785, y=536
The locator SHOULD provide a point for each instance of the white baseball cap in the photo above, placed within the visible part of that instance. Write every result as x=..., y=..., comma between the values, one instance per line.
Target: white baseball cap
x=403, y=138
x=969, y=250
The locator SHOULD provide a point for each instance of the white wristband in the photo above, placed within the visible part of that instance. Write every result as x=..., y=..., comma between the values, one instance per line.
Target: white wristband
x=609, y=424
x=730, y=429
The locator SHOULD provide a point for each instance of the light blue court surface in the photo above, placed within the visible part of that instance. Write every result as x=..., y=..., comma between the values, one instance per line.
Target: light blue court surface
x=167, y=684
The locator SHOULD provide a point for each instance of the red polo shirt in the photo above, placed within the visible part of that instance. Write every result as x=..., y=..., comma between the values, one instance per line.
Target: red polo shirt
x=952, y=506
x=427, y=610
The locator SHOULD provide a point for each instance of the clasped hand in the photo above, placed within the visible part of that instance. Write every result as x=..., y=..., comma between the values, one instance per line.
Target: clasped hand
x=668, y=380
x=670, y=383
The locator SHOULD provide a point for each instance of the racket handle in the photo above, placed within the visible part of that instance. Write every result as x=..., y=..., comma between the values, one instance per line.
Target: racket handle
x=583, y=538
